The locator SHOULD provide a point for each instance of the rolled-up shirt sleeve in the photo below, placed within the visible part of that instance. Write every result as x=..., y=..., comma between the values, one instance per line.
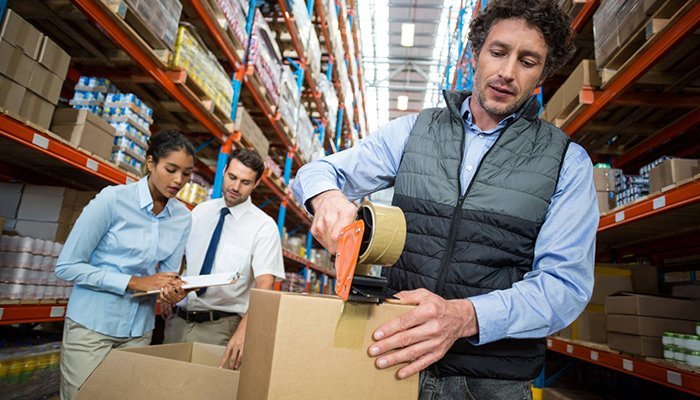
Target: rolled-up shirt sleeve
x=558, y=288
x=74, y=261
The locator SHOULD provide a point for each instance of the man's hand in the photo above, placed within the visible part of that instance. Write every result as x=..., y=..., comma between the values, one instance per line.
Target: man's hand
x=154, y=282
x=423, y=335
x=173, y=293
x=234, y=349
x=332, y=212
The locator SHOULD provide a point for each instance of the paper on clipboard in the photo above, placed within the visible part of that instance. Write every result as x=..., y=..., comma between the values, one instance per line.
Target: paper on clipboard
x=201, y=281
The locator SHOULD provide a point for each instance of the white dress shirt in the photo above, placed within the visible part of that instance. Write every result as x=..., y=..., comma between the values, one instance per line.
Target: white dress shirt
x=249, y=244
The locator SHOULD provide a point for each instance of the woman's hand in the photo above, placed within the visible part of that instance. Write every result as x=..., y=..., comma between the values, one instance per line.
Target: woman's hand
x=154, y=282
x=173, y=293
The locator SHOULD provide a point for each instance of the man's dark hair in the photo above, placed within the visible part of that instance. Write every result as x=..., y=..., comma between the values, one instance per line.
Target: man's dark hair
x=249, y=158
x=545, y=15
x=165, y=142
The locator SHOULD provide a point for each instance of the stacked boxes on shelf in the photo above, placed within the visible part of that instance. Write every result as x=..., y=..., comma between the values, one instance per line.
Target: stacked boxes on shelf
x=301, y=18
x=607, y=182
x=32, y=70
x=313, y=54
x=265, y=55
x=290, y=98
x=27, y=269
x=634, y=187
x=84, y=129
x=566, y=101
x=245, y=124
x=636, y=323
x=29, y=361
x=330, y=97
x=161, y=17
x=306, y=139
x=129, y=117
x=235, y=17
x=203, y=68
x=665, y=172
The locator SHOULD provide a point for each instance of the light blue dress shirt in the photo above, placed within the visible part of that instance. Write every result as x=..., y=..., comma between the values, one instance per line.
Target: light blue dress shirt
x=116, y=237
x=559, y=286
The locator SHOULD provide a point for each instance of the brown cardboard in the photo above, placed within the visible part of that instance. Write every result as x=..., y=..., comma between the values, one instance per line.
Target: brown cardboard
x=84, y=129
x=14, y=64
x=590, y=326
x=585, y=74
x=645, y=278
x=47, y=204
x=21, y=34
x=610, y=281
x=648, y=326
x=672, y=171
x=54, y=58
x=604, y=179
x=246, y=125
x=653, y=306
x=276, y=366
x=568, y=394
x=686, y=291
x=82, y=199
x=183, y=371
x=57, y=232
x=11, y=95
x=606, y=201
x=640, y=345
x=35, y=109
x=654, y=26
x=45, y=83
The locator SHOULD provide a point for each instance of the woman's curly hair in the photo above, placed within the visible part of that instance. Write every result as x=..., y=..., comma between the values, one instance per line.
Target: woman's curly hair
x=546, y=15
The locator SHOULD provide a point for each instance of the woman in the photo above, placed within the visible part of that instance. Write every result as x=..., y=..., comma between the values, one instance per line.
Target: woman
x=129, y=238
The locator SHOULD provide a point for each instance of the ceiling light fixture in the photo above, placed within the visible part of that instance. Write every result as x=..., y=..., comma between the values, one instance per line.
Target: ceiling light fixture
x=402, y=103
x=408, y=31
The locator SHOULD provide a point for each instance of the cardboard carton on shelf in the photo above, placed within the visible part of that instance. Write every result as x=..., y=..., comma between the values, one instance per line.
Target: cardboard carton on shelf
x=21, y=34
x=564, y=100
x=54, y=58
x=645, y=346
x=11, y=95
x=45, y=83
x=84, y=129
x=275, y=366
x=648, y=326
x=14, y=64
x=645, y=279
x=589, y=326
x=178, y=371
x=46, y=204
x=672, y=171
x=54, y=231
x=36, y=109
x=606, y=201
x=686, y=291
x=604, y=179
x=653, y=306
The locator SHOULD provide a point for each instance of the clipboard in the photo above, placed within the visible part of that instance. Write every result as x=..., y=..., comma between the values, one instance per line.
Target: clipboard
x=200, y=281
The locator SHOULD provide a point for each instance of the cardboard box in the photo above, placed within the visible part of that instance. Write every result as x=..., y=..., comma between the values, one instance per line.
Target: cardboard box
x=672, y=171
x=590, y=326
x=11, y=95
x=54, y=58
x=10, y=196
x=57, y=232
x=610, y=281
x=640, y=345
x=45, y=83
x=82, y=199
x=653, y=306
x=14, y=64
x=47, y=204
x=563, y=100
x=36, y=109
x=648, y=326
x=21, y=34
x=246, y=125
x=606, y=201
x=334, y=364
x=604, y=179
x=84, y=129
x=183, y=371
x=568, y=394
x=686, y=291
x=645, y=278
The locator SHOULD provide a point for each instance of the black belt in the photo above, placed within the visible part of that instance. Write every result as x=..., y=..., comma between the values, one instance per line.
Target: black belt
x=202, y=316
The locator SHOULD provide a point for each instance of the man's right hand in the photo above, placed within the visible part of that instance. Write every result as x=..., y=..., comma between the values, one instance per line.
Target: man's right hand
x=154, y=282
x=332, y=212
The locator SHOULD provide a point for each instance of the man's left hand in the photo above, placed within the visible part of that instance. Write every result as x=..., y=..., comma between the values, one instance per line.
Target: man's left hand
x=234, y=350
x=423, y=335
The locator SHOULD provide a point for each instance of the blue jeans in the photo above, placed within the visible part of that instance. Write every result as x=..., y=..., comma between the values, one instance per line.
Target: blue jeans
x=466, y=388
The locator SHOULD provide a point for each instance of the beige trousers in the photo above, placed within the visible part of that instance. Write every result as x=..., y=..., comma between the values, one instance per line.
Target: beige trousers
x=83, y=350
x=218, y=332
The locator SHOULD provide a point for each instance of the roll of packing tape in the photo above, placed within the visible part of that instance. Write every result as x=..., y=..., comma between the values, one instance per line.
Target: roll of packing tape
x=385, y=234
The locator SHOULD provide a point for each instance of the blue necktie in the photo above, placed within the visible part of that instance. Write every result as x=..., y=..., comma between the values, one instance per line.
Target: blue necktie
x=211, y=250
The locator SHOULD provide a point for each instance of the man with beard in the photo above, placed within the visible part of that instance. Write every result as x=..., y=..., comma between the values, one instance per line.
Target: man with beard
x=501, y=215
x=229, y=234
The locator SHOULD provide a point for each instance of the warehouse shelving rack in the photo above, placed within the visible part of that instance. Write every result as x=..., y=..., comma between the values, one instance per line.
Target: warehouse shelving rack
x=82, y=169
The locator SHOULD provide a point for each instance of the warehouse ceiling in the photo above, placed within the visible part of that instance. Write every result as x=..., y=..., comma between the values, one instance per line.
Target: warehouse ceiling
x=392, y=70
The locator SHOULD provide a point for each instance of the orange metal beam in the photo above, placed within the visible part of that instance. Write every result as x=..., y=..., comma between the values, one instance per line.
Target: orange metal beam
x=651, y=99
x=30, y=313
x=31, y=138
x=663, y=374
x=584, y=15
x=678, y=197
x=105, y=19
x=662, y=43
x=670, y=132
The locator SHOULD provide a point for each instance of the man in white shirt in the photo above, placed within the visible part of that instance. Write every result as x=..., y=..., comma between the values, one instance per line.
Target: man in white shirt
x=229, y=234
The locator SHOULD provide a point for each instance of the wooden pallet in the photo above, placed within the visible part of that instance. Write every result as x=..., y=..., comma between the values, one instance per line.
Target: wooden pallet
x=180, y=77
x=575, y=106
